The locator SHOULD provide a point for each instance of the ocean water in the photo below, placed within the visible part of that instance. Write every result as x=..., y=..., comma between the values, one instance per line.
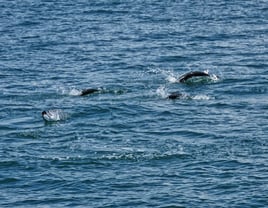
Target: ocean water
x=128, y=145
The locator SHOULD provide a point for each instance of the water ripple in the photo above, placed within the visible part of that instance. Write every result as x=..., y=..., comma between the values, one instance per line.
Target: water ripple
x=128, y=145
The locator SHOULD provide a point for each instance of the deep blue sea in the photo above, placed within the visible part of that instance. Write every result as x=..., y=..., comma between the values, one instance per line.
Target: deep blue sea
x=128, y=145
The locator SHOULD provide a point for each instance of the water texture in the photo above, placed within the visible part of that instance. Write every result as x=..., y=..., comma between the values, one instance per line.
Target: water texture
x=128, y=145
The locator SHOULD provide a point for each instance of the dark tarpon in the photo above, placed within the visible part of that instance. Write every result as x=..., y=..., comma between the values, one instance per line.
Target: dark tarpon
x=175, y=95
x=88, y=91
x=189, y=75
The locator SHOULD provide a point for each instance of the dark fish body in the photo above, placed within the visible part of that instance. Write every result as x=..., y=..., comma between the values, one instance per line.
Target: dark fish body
x=175, y=95
x=192, y=74
x=88, y=91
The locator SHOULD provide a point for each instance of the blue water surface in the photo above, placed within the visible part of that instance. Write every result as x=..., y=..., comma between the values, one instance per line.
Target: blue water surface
x=128, y=145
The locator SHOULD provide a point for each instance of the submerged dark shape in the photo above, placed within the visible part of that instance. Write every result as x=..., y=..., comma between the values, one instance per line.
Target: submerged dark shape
x=191, y=74
x=88, y=91
x=175, y=95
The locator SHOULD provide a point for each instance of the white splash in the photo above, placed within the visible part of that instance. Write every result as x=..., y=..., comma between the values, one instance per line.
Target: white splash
x=214, y=77
x=201, y=97
x=169, y=75
x=172, y=79
x=161, y=91
x=54, y=115
x=75, y=92
x=206, y=71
